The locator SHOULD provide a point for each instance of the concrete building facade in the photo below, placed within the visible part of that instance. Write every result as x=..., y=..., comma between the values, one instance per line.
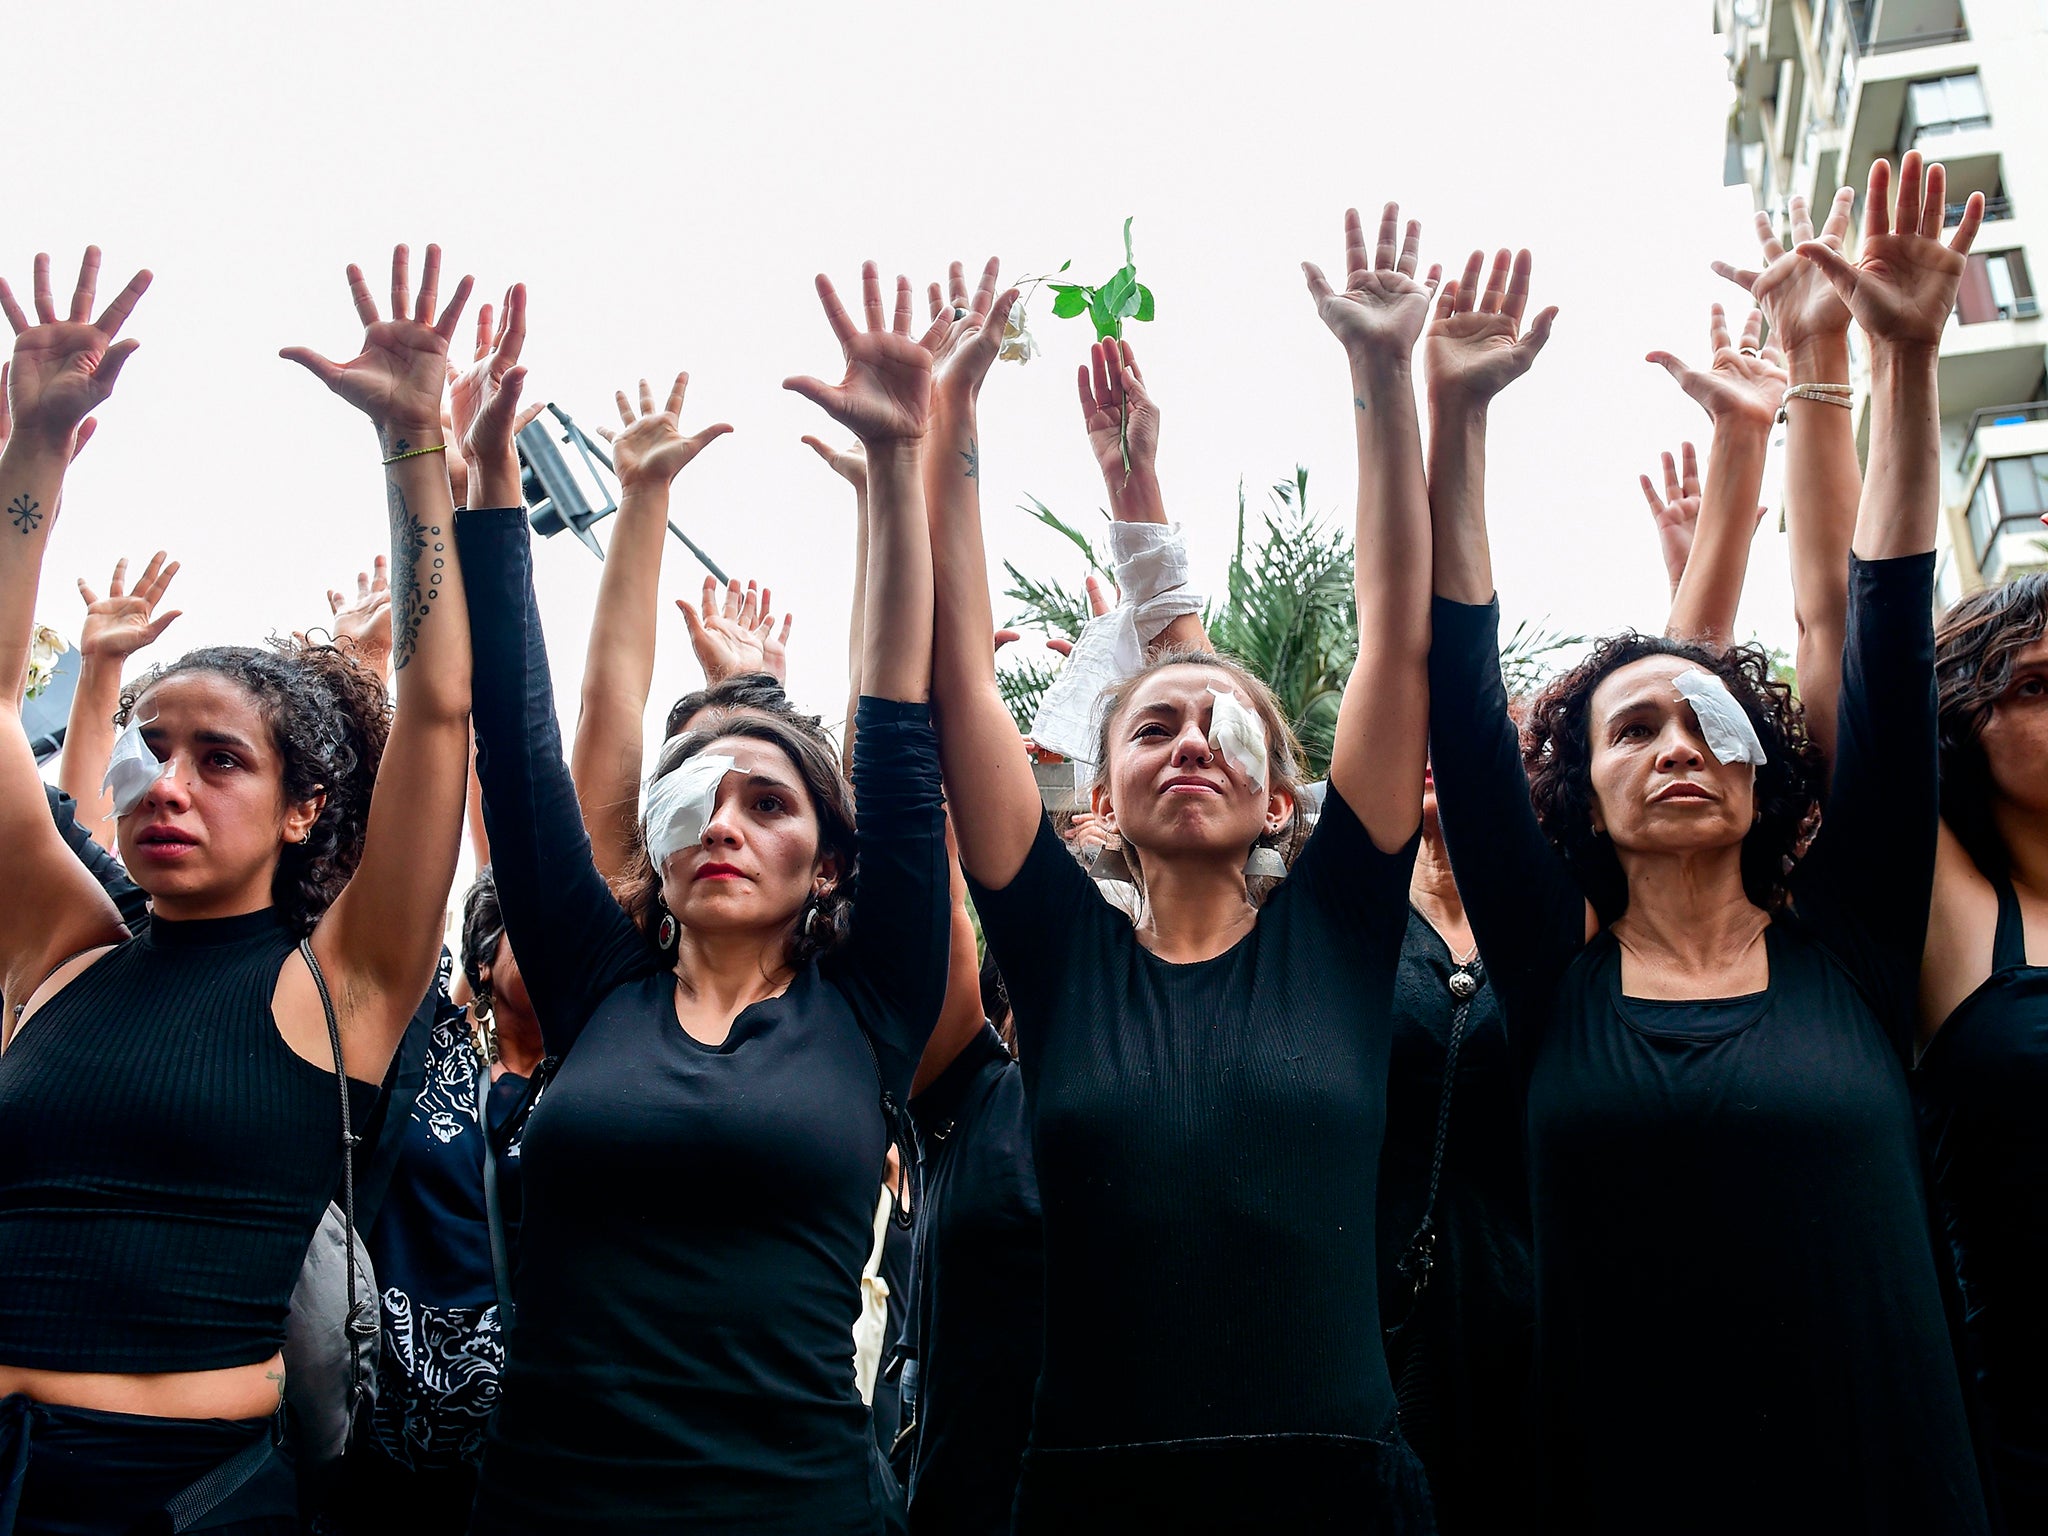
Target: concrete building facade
x=1823, y=88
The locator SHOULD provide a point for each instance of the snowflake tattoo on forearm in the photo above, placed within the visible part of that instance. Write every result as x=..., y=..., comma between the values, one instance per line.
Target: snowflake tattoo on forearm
x=26, y=514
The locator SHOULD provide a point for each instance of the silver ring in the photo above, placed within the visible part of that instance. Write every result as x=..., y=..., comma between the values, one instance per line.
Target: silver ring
x=1751, y=351
x=959, y=313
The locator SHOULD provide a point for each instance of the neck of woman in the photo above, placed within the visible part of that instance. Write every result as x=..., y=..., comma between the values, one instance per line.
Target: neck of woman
x=1196, y=906
x=727, y=972
x=1433, y=893
x=2024, y=833
x=1688, y=912
x=519, y=1043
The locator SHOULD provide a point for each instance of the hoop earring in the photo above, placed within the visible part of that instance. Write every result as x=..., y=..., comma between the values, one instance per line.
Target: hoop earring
x=665, y=935
x=481, y=1004
x=811, y=911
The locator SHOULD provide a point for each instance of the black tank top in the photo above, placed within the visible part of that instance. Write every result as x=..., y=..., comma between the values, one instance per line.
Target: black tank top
x=164, y=1157
x=1984, y=1100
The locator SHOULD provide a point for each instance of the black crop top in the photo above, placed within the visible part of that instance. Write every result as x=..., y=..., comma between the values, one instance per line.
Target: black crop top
x=164, y=1157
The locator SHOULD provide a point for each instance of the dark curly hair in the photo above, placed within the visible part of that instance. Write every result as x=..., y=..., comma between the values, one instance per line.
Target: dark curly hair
x=817, y=764
x=1283, y=753
x=1976, y=643
x=1557, y=751
x=328, y=719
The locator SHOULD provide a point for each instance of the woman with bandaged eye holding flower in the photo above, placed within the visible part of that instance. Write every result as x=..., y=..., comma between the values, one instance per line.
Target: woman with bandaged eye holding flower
x=699, y=1176
x=1740, y=1310
x=1207, y=1086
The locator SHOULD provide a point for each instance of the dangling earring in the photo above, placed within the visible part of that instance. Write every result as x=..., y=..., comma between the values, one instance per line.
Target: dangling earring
x=481, y=1006
x=665, y=934
x=811, y=911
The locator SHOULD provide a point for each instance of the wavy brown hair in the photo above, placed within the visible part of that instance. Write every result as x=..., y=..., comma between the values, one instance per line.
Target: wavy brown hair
x=1283, y=752
x=329, y=718
x=639, y=889
x=1976, y=643
x=1557, y=752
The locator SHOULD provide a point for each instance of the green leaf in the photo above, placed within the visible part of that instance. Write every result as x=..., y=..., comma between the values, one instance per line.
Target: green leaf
x=1066, y=264
x=1129, y=259
x=1069, y=302
x=1119, y=290
x=1144, y=311
x=1107, y=322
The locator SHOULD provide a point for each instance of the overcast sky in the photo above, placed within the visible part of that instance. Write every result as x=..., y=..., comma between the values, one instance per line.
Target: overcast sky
x=667, y=177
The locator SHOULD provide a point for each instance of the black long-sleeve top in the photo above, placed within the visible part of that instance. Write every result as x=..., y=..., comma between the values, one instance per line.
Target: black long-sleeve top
x=1207, y=1142
x=695, y=1217
x=1739, y=1316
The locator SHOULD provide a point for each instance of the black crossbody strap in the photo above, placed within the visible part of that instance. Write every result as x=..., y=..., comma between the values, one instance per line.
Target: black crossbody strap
x=494, y=1214
x=354, y=1323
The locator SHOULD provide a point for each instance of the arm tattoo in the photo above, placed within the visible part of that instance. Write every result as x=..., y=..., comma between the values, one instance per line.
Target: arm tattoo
x=410, y=541
x=1359, y=401
x=972, y=455
x=26, y=513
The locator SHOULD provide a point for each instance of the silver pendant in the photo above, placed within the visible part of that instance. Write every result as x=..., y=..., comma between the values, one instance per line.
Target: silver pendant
x=1463, y=985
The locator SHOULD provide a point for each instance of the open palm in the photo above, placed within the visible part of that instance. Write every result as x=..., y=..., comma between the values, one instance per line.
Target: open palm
x=1796, y=296
x=1476, y=345
x=63, y=367
x=1744, y=380
x=125, y=620
x=886, y=395
x=967, y=343
x=484, y=397
x=397, y=379
x=1382, y=307
x=651, y=448
x=1902, y=286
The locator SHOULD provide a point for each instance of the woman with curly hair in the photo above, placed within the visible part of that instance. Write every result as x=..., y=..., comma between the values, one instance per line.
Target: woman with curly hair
x=737, y=1042
x=1739, y=1303
x=170, y=1130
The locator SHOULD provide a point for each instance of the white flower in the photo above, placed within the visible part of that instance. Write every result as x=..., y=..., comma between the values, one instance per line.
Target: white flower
x=1019, y=345
x=44, y=648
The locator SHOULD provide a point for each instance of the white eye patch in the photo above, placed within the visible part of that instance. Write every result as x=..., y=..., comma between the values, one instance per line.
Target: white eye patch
x=680, y=802
x=1238, y=735
x=131, y=768
x=1728, y=733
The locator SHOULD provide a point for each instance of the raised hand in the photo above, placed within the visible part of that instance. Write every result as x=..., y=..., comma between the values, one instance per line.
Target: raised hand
x=1381, y=308
x=740, y=637
x=849, y=464
x=124, y=621
x=886, y=396
x=62, y=369
x=1795, y=295
x=650, y=448
x=397, y=379
x=1677, y=512
x=483, y=398
x=1902, y=286
x=362, y=624
x=1476, y=345
x=1742, y=382
x=1117, y=411
x=973, y=331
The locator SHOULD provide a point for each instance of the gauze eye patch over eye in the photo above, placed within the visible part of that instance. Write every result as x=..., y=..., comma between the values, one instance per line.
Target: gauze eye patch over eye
x=1238, y=735
x=131, y=768
x=679, y=804
x=1723, y=724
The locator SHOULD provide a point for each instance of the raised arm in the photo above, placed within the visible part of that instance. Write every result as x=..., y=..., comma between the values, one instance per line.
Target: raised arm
x=649, y=451
x=1119, y=415
x=1740, y=390
x=851, y=465
x=116, y=627
x=1382, y=738
x=381, y=939
x=1823, y=480
x=994, y=798
x=1676, y=512
x=61, y=369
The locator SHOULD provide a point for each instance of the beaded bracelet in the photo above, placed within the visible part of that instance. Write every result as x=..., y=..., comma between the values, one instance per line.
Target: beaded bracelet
x=413, y=453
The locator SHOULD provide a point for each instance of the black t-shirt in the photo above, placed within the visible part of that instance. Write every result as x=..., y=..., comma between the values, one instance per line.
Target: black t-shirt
x=1208, y=1140
x=1478, y=1316
x=696, y=1218
x=979, y=1293
x=1740, y=1315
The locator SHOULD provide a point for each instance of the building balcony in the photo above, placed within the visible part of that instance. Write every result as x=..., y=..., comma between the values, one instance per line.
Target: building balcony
x=2007, y=492
x=1892, y=26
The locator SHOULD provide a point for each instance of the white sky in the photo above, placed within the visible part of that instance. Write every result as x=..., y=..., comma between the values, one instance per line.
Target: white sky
x=666, y=178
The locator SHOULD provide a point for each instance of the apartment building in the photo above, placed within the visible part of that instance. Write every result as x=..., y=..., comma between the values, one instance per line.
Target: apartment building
x=1823, y=88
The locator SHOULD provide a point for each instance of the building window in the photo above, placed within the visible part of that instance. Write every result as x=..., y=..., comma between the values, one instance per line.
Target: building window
x=1936, y=108
x=2011, y=497
x=1996, y=286
x=1830, y=23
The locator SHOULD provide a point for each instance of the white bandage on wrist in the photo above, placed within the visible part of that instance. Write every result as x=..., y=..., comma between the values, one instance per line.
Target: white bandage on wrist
x=1151, y=573
x=131, y=768
x=680, y=802
x=1723, y=723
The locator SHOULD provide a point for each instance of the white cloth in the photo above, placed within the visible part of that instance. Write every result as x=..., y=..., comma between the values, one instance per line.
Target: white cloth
x=871, y=1328
x=1723, y=722
x=131, y=768
x=680, y=802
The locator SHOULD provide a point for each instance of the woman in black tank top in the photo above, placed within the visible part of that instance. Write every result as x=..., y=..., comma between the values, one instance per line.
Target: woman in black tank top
x=1983, y=1081
x=169, y=1134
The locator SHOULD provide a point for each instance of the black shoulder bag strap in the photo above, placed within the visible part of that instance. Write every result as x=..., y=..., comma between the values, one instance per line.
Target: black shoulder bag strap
x=1405, y=1347
x=494, y=1214
x=361, y=1319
